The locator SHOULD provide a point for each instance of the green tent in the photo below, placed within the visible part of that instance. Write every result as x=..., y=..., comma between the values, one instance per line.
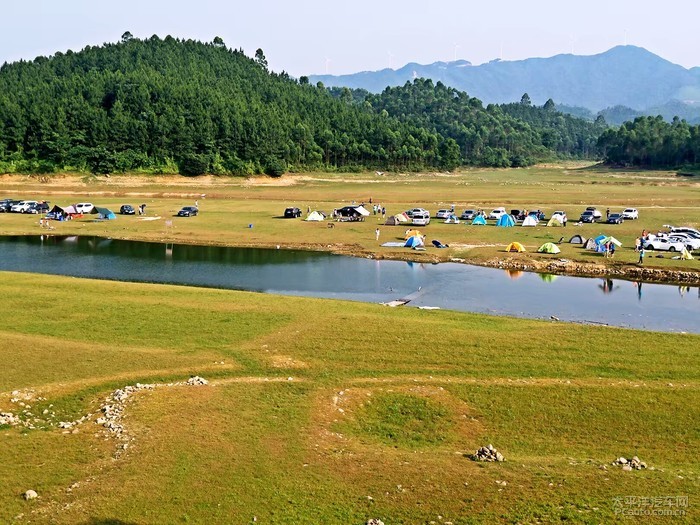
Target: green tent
x=549, y=247
x=103, y=213
x=612, y=240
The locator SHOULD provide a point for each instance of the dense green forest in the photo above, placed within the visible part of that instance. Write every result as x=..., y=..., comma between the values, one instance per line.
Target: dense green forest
x=497, y=135
x=652, y=142
x=168, y=105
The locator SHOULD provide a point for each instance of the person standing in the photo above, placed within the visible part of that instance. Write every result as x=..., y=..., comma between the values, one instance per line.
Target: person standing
x=607, y=213
x=612, y=250
x=641, y=255
x=376, y=233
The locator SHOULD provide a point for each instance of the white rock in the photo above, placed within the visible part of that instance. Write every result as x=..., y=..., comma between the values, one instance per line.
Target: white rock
x=30, y=494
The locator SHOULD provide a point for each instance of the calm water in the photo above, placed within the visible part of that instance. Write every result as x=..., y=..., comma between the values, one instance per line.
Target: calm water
x=451, y=286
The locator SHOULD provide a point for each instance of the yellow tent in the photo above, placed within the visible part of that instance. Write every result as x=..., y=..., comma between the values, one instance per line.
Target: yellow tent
x=685, y=255
x=412, y=233
x=554, y=222
x=515, y=247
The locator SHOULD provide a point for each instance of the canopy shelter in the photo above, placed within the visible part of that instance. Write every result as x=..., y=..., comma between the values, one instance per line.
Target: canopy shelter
x=529, y=221
x=65, y=210
x=506, y=221
x=103, y=213
x=549, y=247
x=479, y=220
x=515, y=247
x=613, y=240
x=315, y=216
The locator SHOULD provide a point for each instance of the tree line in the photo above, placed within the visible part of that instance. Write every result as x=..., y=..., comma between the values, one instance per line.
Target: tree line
x=652, y=142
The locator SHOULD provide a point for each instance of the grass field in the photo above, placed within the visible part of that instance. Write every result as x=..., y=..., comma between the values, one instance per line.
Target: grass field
x=332, y=412
x=375, y=421
x=230, y=205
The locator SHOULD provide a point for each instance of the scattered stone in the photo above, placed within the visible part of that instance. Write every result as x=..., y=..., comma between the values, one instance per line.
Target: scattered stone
x=630, y=464
x=8, y=418
x=375, y=521
x=30, y=494
x=487, y=454
x=196, y=380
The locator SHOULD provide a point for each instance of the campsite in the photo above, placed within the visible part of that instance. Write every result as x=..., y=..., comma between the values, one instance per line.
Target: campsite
x=308, y=410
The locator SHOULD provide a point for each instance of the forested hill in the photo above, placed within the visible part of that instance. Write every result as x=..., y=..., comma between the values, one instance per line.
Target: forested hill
x=497, y=135
x=168, y=105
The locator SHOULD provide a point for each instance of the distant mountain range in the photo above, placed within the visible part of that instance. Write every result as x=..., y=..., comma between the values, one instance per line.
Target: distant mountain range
x=623, y=81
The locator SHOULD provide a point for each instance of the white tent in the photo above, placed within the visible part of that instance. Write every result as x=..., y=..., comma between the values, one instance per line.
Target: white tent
x=529, y=221
x=315, y=216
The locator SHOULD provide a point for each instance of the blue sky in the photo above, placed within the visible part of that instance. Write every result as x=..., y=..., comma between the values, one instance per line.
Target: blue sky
x=312, y=36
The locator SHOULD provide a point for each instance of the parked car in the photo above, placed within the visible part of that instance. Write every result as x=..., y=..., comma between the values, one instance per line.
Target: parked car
x=188, y=211
x=630, y=214
x=39, y=207
x=6, y=205
x=443, y=214
x=684, y=229
x=560, y=215
x=421, y=217
x=496, y=213
x=615, y=218
x=84, y=207
x=127, y=209
x=691, y=243
x=468, y=215
x=596, y=212
x=22, y=206
x=292, y=213
x=588, y=216
x=663, y=244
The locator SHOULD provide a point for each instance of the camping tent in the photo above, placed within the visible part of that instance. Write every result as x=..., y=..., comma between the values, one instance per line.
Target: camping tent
x=549, y=247
x=554, y=221
x=590, y=244
x=685, y=255
x=412, y=233
x=402, y=217
x=506, y=221
x=103, y=213
x=600, y=239
x=577, y=239
x=515, y=247
x=452, y=219
x=315, y=216
x=392, y=220
x=414, y=241
x=479, y=220
x=529, y=221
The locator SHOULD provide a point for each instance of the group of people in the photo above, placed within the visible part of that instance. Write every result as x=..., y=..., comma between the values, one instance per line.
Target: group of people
x=609, y=250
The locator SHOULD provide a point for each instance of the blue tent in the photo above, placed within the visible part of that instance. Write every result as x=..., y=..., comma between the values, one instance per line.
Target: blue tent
x=103, y=213
x=414, y=241
x=506, y=221
x=600, y=239
x=479, y=220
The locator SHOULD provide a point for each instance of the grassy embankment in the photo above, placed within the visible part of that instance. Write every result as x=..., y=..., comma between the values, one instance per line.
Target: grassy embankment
x=231, y=205
x=382, y=406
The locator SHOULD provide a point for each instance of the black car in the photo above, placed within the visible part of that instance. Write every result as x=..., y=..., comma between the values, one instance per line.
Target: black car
x=188, y=211
x=615, y=218
x=39, y=207
x=6, y=205
x=292, y=213
x=127, y=209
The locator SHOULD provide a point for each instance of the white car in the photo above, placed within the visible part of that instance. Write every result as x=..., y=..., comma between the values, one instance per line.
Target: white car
x=421, y=217
x=690, y=242
x=443, y=214
x=496, y=213
x=23, y=206
x=630, y=214
x=84, y=207
x=663, y=244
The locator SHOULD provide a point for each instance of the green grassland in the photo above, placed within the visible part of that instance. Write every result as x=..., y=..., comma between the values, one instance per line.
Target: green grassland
x=230, y=205
x=324, y=411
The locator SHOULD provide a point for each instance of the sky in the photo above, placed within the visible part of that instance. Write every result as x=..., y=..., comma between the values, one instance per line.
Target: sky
x=305, y=37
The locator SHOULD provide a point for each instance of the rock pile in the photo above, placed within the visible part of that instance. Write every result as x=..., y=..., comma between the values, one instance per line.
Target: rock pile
x=630, y=464
x=487, y=454
x=196, y=380
x=375, y=521
x=8, y=418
